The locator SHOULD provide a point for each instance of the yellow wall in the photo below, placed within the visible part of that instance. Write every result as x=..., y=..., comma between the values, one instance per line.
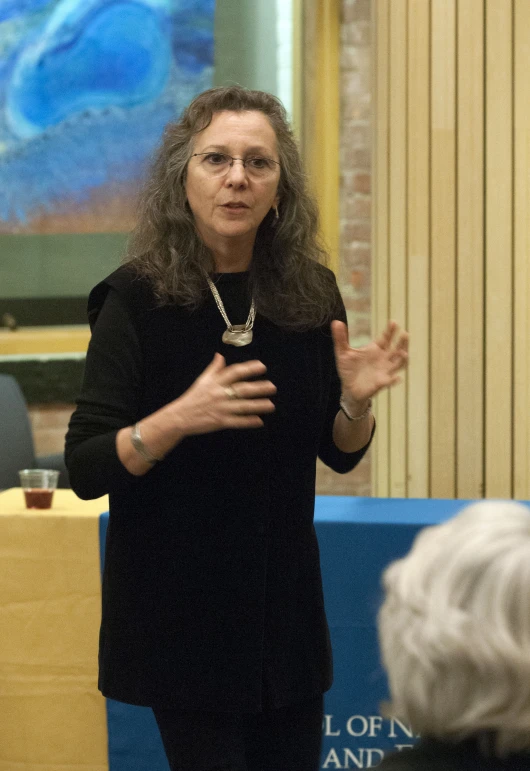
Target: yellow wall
x=320, y=126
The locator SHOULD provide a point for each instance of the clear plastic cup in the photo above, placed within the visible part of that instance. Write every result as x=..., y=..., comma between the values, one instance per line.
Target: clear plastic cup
x=38, y=485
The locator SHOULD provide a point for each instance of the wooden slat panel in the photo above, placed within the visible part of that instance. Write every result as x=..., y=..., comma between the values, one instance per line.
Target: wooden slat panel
x=499, y=369
x=380, y=301
x=443, y=293
x=418, y=130
x=470, y=251
x=522, y=251
x=398, y=234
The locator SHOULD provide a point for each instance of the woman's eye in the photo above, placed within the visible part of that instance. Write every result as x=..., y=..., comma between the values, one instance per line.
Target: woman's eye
x=258, y=163
x=216, y=158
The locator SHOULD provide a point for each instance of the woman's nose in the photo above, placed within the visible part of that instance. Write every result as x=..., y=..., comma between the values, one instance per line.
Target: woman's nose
x=237, y=173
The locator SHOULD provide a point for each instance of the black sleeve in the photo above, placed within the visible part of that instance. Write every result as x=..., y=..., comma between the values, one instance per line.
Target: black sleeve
x=328, y=452
x=108, y=401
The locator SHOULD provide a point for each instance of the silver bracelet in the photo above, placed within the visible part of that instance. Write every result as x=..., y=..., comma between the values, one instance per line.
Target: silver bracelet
x=139, y=446
x=348, y=414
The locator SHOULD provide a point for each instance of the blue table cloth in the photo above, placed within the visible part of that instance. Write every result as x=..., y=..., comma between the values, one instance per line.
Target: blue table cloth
x=358, y=538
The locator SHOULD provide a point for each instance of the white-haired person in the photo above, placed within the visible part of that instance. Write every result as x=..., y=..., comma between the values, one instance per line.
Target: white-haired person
x=454, y=631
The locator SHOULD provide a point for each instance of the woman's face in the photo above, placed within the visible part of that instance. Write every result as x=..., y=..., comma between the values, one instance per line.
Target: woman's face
x=232, y=205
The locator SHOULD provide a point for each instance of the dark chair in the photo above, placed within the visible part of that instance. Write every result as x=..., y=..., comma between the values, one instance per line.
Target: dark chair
x=17, y=450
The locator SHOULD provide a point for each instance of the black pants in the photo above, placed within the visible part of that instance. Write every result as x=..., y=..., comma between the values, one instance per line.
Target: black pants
x=286, y=739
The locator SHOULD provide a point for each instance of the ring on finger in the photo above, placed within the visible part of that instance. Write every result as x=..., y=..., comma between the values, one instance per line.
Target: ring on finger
x=230, y=393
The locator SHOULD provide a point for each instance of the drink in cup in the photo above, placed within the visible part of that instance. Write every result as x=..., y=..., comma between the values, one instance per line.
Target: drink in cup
x=38, y=485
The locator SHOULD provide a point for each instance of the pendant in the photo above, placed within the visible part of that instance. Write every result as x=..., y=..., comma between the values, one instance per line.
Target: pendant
x=238, y=336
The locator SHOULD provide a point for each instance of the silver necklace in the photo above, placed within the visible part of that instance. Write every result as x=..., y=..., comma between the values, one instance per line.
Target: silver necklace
x=235, y=334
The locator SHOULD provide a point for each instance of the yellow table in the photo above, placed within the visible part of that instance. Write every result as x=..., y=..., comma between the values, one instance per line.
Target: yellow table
x=43, y=340
x=52, y=716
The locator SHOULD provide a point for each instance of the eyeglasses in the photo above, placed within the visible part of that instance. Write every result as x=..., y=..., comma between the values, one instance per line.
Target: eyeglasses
x=217, y=164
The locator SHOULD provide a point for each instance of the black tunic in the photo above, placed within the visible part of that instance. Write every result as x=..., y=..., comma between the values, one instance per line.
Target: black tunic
x=212, y=593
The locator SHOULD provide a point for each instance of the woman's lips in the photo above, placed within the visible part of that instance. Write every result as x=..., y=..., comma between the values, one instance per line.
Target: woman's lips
x=235, y=208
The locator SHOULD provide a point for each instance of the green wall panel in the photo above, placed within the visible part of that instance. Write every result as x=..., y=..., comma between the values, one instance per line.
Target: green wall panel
x=57, y=265
x=245, y=44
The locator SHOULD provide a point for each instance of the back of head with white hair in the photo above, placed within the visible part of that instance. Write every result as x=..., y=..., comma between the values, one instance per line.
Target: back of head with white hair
x=455, y=627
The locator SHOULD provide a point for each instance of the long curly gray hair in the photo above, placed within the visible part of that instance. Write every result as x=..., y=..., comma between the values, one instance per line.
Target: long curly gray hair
x=287, y=281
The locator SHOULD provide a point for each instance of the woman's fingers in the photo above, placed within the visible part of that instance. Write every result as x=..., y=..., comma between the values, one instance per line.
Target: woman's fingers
x=403, y=342
x=400, y=355
x=244, y=400
x=254, y=390
x=249, y=406
x=235, y=372
x=385, y=339
x=339, y=333
x=247, y=393
x=216, y=365
x=397, y=364
x=245, y=421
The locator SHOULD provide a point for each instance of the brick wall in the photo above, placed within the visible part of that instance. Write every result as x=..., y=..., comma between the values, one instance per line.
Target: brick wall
x=355, y=159
x=49, y=423
x=355, y=205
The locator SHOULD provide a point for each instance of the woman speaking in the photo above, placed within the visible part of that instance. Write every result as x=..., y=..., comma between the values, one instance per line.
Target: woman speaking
x=218, y=371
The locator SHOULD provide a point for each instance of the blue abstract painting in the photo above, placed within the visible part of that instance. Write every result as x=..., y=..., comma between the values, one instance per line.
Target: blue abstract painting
x=86, y=87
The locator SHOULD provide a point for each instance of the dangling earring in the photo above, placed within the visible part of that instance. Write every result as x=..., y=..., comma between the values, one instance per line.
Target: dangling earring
x=276, y=215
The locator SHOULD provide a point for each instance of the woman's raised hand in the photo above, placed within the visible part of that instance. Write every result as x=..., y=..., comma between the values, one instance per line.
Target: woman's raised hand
x=365, y=371
x=222, y=397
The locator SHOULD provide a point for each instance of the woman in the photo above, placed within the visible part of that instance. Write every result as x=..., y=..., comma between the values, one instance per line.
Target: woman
x=455, y=636
x=210, y=388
